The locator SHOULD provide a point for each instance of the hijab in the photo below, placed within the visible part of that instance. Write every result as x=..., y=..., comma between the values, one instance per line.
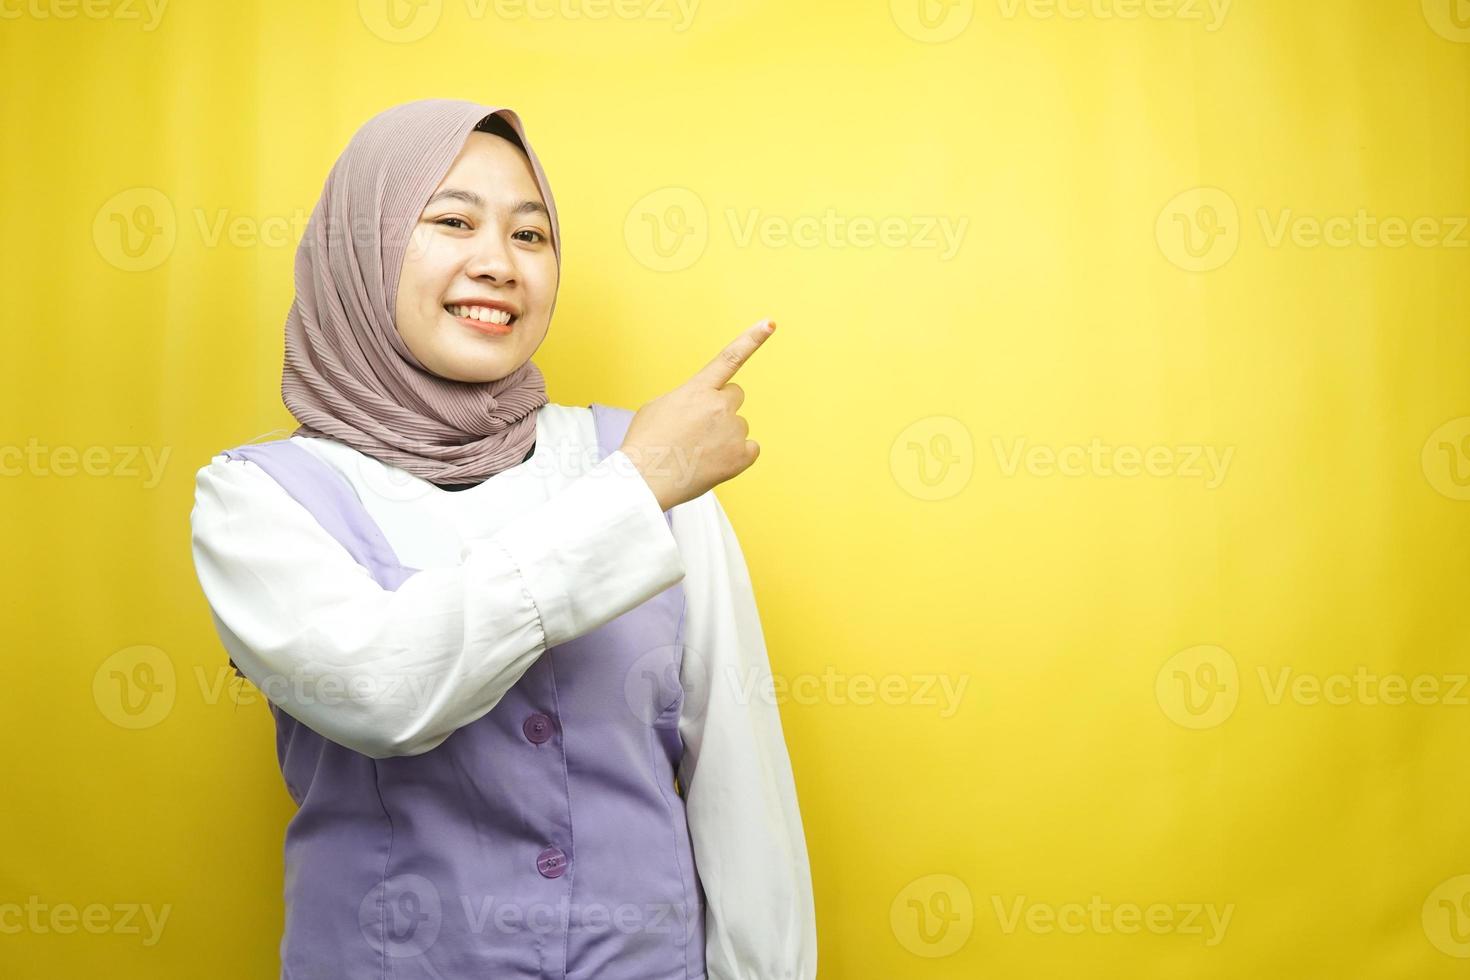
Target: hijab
x=347, y=374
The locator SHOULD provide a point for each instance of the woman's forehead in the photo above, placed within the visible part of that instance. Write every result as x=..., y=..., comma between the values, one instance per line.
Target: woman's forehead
x=474, y=199
x=492, y=168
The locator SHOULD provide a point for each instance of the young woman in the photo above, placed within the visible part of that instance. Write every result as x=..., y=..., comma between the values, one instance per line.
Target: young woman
x=520, y=687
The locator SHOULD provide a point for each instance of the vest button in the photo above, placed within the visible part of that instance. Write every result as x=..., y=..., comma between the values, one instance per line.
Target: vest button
x=538, y=728
x=552, y=862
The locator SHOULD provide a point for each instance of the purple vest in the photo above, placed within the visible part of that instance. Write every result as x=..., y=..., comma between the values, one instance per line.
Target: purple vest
x=546, y=839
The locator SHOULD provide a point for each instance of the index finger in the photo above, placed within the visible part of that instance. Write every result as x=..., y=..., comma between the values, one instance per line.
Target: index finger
x=720, y=370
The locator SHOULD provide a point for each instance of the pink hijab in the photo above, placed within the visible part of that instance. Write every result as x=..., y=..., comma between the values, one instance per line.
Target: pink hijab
x=348, y=375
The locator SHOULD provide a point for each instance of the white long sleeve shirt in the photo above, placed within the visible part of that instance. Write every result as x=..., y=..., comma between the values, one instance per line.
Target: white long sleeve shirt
x=539, y=554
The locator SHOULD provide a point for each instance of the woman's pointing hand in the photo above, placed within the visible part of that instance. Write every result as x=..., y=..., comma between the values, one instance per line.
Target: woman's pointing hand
x=690, y=440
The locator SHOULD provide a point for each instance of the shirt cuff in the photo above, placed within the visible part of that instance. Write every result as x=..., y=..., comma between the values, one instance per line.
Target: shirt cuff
x=596, y=550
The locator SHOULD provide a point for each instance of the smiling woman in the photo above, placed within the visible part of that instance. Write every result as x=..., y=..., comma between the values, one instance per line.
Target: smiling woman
x=508, y=715
x=480, y=276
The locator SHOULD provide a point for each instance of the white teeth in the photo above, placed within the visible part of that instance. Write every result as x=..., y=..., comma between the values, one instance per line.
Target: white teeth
x=482, y=313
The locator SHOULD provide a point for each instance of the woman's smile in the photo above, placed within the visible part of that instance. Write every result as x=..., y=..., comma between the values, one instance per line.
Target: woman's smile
x=496, y=320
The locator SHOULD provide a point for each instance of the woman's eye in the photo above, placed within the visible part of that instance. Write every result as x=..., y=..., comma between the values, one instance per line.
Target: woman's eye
x=458, y=223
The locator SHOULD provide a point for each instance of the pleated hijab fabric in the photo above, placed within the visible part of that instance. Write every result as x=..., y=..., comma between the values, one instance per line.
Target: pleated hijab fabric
x=348, y=374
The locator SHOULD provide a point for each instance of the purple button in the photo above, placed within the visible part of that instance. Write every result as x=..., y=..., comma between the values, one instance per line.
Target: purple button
x=538, y=727
x=551, y=862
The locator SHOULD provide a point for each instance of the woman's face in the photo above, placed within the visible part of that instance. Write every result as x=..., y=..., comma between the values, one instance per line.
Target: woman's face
x=483, y=241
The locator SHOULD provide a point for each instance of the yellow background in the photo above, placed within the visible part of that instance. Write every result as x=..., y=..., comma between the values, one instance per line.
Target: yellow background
x=1121, y=732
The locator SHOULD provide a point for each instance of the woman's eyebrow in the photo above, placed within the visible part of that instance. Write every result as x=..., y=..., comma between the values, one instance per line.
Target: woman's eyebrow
x=474, y=199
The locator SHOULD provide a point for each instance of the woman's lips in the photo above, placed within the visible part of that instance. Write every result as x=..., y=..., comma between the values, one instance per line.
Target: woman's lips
x=485, y=326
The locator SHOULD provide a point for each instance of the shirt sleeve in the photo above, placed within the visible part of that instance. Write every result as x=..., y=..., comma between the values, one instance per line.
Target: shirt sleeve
x=740, y=796
x=391, y=673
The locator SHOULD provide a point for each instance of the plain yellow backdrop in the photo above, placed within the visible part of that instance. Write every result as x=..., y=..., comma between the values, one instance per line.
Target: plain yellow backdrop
x=1109, y=528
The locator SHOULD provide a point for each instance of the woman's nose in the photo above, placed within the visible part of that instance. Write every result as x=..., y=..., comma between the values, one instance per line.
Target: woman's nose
x=492, y=260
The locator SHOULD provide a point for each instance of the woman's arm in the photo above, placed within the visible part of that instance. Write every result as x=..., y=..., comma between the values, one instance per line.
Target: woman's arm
x=390, y=673
x=749, y=847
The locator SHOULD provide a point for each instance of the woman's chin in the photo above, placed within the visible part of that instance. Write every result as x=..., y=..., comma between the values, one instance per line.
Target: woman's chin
x=474, y=367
